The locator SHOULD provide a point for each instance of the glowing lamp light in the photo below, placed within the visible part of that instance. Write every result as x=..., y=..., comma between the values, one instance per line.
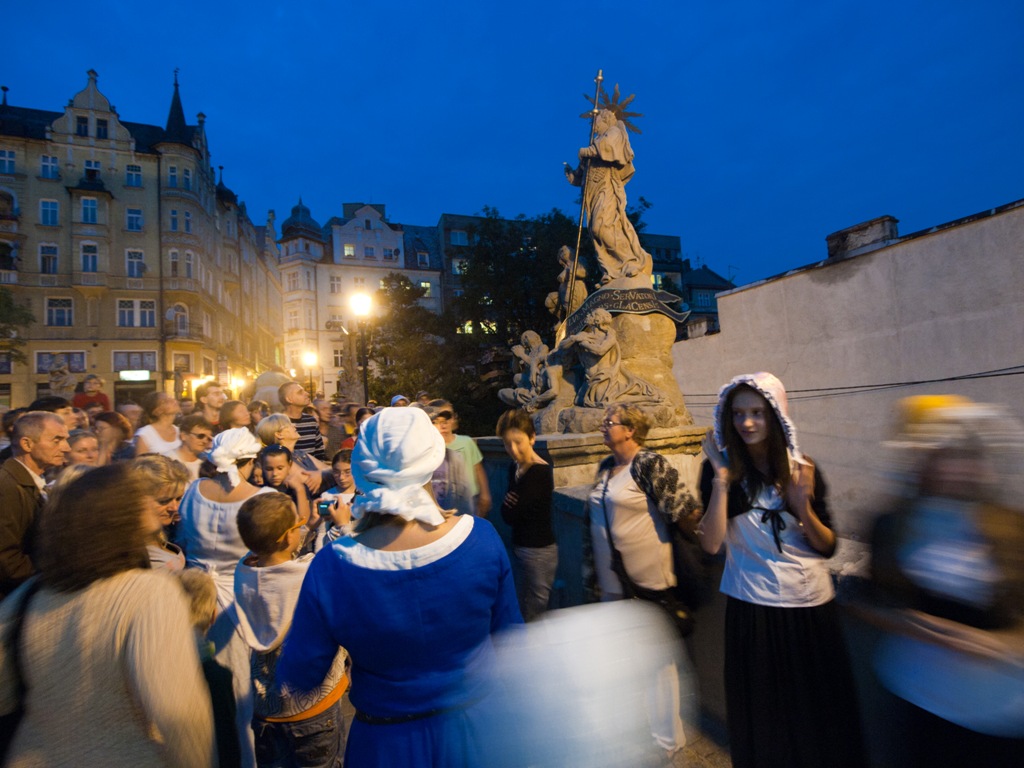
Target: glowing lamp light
x=361, y=304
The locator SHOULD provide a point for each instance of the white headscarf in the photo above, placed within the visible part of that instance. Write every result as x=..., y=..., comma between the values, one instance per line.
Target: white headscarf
x=231, y=446
x=396, y=454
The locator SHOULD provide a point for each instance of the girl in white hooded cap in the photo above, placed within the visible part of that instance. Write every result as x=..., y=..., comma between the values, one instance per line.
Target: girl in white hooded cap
x=789, y=690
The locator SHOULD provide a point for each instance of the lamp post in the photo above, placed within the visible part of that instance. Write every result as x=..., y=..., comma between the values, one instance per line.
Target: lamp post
x=361, y=304
x=309, y=359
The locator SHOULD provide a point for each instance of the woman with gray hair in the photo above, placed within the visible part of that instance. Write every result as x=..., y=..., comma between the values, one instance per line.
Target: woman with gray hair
x=414, y=596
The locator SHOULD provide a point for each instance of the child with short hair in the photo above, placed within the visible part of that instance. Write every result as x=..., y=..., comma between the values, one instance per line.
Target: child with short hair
x=278, y=470
x=289, y=731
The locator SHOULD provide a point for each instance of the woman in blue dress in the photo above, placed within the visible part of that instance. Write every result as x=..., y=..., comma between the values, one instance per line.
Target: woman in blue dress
x=414, y=596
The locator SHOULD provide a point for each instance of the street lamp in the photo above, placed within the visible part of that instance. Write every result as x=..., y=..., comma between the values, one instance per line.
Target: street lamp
x=309, y=359
x=361, y=304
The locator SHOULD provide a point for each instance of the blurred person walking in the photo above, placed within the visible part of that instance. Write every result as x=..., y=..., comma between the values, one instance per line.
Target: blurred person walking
x=105, y=649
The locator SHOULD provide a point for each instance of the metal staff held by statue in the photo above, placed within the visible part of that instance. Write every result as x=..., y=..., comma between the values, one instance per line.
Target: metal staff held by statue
x=560, y=333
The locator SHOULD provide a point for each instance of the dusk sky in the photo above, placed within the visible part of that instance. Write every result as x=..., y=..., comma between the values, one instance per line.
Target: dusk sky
x=767, y=125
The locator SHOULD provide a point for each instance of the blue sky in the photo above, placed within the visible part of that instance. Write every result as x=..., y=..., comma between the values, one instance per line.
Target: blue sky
x=766, y=126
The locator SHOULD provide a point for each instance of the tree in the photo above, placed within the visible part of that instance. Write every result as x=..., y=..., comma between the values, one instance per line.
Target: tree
x=15, y=320
x=409, y=343
x=509, y=271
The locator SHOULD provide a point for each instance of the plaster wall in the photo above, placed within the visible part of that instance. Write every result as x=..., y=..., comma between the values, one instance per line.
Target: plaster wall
x=944, y=303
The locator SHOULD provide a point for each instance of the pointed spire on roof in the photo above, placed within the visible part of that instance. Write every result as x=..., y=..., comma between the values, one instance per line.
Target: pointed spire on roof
x=177, y=129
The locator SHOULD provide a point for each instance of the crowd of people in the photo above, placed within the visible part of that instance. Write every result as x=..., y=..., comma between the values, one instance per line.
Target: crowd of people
x=202, y=582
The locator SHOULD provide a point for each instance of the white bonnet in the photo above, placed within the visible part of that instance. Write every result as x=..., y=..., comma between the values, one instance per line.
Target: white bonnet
x=231, y=446
x=395, y=456
x=772, y=390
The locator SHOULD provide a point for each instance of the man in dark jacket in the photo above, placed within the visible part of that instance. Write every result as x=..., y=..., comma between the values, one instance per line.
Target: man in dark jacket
x=39, y=442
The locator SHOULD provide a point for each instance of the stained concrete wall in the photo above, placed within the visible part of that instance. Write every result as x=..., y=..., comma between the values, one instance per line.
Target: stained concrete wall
x=943, y=303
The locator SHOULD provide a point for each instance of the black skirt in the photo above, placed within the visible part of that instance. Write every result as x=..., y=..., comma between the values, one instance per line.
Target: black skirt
x=790, y=697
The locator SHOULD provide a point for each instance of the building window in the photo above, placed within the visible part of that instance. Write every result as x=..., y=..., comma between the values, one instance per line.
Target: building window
x=89, y=209
x=5, y=363
x=134, y=219
x=101, y=129
x=174, y=219
x=92, y=169
x=46, y=361
x=309, y=281
x=335, y=284
x=133, y=176
x=49, y=212
x=173, y=258
x=6, y=161
x=389, y=254
x=367, y=223
x=186, y=178
x=207, y=325
x=81, y=126
x=48, y=167
x=135, y=264
x=179, y=315
x=188, y=222
x=293, y=319
x=60, y=312
x=188, y=264
x=458, y=237
x=172, y=176
x=90, y=257
x=422, y=259
x=368, y=252
x=293, y=281
x=135, y=361
x=426, y=286
x=339, y=358
x=136, y=313
x=350, y=251
x=657, y=280
x=703, y=297
x=359, y=282
x=48, y=259
x=458, y=266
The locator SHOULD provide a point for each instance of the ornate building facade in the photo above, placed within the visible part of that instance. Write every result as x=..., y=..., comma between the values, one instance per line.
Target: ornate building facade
x=322, y=267
x=137, y=264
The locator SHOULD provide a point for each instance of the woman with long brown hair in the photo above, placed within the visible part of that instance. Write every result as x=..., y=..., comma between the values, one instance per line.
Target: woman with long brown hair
x=790, y=700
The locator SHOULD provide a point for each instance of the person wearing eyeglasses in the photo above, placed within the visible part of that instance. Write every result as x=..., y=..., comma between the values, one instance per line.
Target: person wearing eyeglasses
x=196, y=439
x=635, y=499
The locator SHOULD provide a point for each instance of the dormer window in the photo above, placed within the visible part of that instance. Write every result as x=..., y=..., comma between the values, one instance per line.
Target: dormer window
x=368, y=224
x=81, y=126
x=101, y=129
